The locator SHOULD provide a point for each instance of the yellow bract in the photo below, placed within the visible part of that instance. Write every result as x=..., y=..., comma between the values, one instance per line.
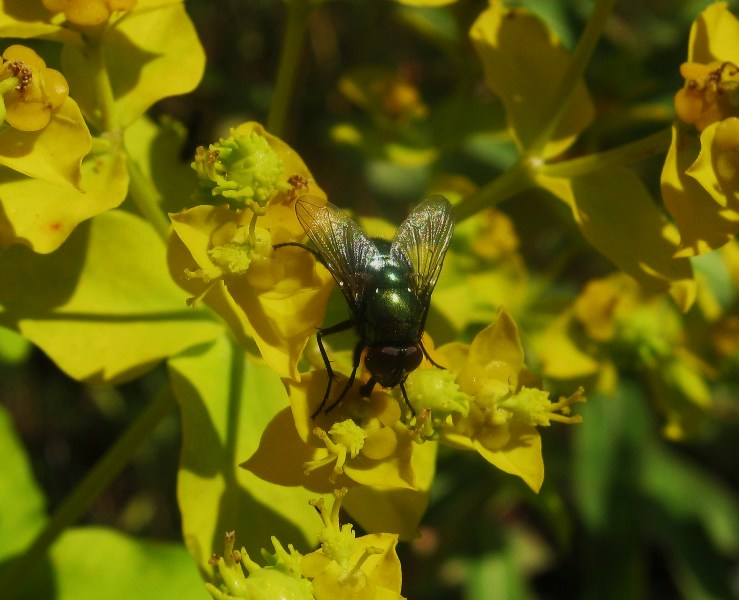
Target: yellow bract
x=523, y=62
x=505, y=407
x=699, y=182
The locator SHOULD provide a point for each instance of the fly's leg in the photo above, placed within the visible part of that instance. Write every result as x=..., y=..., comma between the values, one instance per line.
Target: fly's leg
x=428, y=358
x=357, y=357
x=327, y=363
x=367, y=388
x=405, y=395
x=319, y=258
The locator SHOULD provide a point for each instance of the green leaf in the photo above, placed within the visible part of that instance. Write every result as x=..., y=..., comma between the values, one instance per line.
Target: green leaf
x=618, y=217
x=102, y=563
x=523, y=62
x=103, y=307
x=22, y=505
x=672, y=481
x=595, y=458
x=499, y=571
x=54, y=153
x=41, y=215
x=226, y=401
x=151, y=53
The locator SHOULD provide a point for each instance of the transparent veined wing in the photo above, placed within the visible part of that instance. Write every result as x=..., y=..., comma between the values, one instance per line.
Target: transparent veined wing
x=422, y=240
x=345, y=249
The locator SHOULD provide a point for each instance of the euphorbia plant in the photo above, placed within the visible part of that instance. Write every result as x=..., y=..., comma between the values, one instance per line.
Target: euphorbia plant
x=118, y=258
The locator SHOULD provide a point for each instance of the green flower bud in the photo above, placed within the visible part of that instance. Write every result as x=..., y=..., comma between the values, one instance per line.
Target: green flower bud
x=242, y=169
x=434, y=395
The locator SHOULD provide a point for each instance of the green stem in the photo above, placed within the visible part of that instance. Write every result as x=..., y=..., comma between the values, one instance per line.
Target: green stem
x=630, y=153
x=146, y=198
x=298, y=12
x=79, y=501
x=514, y=180
x=103, y=88
x=559, y=103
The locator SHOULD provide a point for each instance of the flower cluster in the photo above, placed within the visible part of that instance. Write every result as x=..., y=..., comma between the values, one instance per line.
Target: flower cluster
x=505, y=403
x=281, y=577
x=345, y=566
x=29, y=91
x=224, y=254
x=242, y=168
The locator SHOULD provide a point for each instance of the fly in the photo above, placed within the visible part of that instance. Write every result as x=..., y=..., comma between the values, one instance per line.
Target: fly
x=387, y=286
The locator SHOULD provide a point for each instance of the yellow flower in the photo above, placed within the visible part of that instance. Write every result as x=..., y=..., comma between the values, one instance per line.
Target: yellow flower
x=364, y=568
x=361, y=438
x=30, y=91
x=700, y=185
x=361, y=441
x=226, y=258
x=506, y=407
x=88, y=12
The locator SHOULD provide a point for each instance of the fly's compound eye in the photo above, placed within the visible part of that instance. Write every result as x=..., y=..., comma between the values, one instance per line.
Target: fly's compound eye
x=391, y=364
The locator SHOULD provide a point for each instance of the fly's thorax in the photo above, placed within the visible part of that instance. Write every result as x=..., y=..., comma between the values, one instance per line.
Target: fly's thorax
x=390, y=313
x=390, y=365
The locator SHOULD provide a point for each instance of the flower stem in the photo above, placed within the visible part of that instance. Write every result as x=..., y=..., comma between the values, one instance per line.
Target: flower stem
x=511, y=182
x=630, y=153
x=560, y=100
x=298, y=12
x=146, y=198
x=80, y=500
x=101, y=83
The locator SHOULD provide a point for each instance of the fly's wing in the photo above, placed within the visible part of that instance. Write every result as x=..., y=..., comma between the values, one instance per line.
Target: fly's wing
x=345, y=249
x=422, y=240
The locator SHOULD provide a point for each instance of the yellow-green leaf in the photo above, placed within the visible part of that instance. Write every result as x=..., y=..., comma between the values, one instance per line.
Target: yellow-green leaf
x=226, y=401
x=53, y=153
x=85, y=561
x=157, y=149
x=619, y=218
x=41, y=215
x=150, y=53
x=523, y=62
x=103, y=307
x=22, y=504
